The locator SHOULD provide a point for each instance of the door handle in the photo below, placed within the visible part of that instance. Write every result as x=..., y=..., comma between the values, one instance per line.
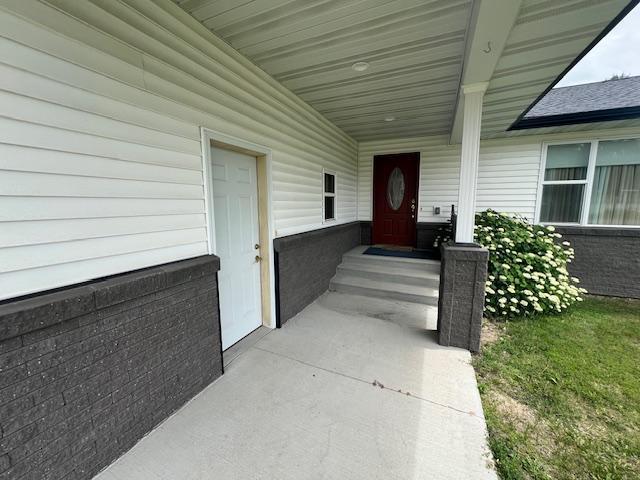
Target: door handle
x=258, y=258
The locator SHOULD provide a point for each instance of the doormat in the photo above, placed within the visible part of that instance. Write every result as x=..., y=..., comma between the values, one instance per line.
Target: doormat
x=413, y=253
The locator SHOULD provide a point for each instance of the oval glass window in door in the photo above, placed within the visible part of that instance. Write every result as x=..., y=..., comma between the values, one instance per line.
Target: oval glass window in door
x=395, y=189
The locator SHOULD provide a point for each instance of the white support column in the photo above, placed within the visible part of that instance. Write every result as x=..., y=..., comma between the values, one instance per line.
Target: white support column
x=473, y=96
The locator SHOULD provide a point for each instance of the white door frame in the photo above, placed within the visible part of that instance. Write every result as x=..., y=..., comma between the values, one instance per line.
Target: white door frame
x=262, y=154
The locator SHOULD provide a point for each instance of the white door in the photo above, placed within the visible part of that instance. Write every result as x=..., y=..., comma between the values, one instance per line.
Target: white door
x=235, y=211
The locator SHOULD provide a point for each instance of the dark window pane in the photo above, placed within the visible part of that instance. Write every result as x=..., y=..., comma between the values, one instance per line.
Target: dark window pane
x=329, y=183
x=329, y=203
x=561, y=203
x=567, y=162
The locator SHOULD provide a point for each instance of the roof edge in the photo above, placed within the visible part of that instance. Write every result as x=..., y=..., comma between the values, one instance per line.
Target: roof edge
x=593, y=116
x=516, y=125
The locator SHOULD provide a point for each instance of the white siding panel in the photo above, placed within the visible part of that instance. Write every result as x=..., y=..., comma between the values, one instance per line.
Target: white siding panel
x=33, y=256
x=508, y=177
x=36, y=184
x=101, y=105
x=27, y=159
x=48, y=231
x=33, y=135
x=44, y=113
x=26, y=281
x=15, y=209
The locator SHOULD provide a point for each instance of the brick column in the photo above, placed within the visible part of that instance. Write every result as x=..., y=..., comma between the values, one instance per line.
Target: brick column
x=463, y=273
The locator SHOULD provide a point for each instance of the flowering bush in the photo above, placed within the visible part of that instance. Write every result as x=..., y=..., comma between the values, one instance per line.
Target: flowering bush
x=527, y=267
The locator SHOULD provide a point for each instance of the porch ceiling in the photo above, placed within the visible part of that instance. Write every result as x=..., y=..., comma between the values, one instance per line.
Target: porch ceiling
x=415, y=49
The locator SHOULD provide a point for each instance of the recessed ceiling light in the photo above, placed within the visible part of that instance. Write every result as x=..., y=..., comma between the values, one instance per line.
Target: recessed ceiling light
x=390, y=118
x=360, y=66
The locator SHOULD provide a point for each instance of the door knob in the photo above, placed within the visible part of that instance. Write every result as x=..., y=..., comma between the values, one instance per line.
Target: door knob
x=258, y=258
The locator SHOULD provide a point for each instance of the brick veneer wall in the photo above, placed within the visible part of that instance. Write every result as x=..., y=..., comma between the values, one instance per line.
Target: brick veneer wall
x=306, y=262
x=607, y=259
x=463, y=273
x=86, y=371
x=427, y=232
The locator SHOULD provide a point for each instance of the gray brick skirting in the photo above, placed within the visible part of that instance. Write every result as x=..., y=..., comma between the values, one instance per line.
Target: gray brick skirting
x=427, y=232
x=463, y=273
x=306, y=262
x=607, y=259
x=365, y=232
x=86, y=371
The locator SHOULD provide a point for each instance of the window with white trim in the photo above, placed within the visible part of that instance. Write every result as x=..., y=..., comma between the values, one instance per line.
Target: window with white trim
x=328, y=196
x=591, y=183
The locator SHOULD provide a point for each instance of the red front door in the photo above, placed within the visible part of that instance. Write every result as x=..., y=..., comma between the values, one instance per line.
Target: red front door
x=395, y=198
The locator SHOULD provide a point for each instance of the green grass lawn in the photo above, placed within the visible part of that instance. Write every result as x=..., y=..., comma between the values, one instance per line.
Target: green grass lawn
x=561, y=394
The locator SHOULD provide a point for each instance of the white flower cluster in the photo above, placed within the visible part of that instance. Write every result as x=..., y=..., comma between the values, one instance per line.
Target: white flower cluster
x=527, y=267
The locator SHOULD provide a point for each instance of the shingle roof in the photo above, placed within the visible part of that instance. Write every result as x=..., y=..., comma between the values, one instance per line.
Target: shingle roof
x=590, y=97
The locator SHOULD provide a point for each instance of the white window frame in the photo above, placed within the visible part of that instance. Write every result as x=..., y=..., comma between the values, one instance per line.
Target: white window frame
x=587, y=182
x=333, y=195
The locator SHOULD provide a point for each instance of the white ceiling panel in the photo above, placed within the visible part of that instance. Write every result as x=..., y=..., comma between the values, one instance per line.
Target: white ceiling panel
x=414, y=48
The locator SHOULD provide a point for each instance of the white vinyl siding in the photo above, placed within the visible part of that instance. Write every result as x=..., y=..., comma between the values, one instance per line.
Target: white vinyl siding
x=508, y=171
x=507, y=176
x=100, y=155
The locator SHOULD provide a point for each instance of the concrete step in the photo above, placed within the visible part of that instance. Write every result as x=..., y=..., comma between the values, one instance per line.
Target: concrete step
x=409, y=264
x=358, y=285
x=396, y=273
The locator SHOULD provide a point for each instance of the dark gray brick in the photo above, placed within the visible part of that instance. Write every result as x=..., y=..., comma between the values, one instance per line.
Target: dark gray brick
x=79, y=389
x=306, y=262
x=23, y=316
x=463, y=273
x=607, y=260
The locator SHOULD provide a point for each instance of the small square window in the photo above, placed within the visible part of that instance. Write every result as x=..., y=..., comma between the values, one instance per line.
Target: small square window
x=329, y=196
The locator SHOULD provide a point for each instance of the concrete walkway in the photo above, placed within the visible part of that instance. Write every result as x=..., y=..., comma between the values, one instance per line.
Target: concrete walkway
x=351, y=388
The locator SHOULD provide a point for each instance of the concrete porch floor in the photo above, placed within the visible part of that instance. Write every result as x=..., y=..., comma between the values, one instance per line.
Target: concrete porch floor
x=351, y=388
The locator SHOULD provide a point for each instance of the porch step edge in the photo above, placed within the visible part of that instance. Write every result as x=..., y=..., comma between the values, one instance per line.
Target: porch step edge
x=425, y=266
x=391, y=274
x=372, y=288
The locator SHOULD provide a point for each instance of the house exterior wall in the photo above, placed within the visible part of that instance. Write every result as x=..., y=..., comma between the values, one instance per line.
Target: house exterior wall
x=607, y=260
x=508, y=172
x=306, y=262
x=508, y=179
x=100, y=153
x=507, y=176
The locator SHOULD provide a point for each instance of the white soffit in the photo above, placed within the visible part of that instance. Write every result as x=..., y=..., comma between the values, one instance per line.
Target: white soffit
x=414, y=49
x=547, y=36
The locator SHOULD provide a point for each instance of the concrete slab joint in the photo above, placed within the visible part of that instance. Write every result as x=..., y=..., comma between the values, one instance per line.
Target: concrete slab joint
x=463, y=273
